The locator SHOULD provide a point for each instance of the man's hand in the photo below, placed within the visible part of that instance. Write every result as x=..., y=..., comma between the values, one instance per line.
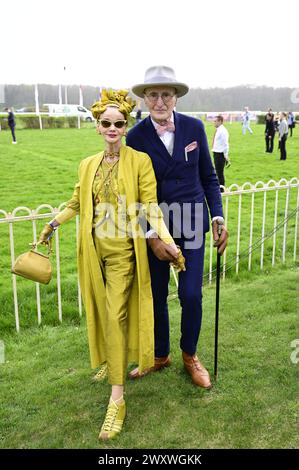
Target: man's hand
x=220, y=241
x=162, y=250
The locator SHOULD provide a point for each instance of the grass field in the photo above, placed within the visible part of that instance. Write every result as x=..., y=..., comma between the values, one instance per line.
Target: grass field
x=42, y=168
x=48, y=399
x=48, y=160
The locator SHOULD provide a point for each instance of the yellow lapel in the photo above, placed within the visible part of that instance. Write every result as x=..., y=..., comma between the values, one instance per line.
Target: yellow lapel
x=87, y=182
x=126, y=174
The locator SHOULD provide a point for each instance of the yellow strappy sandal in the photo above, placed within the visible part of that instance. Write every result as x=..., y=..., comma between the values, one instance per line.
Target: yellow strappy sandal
x=114, y=420
x=102, y=373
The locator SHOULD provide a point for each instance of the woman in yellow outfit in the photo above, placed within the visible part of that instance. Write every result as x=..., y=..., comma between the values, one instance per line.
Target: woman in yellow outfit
x=115, y=187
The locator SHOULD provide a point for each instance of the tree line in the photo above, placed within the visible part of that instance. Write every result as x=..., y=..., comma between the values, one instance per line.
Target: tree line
x=198, y=99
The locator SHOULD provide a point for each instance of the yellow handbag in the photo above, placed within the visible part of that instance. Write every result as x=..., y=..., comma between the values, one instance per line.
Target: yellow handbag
x=34, y=265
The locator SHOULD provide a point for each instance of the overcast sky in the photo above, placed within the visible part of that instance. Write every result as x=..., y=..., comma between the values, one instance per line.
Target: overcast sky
x=112, y=42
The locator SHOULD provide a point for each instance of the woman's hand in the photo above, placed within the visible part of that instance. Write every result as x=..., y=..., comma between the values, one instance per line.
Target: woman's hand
x=179, y=263
x=45, y=234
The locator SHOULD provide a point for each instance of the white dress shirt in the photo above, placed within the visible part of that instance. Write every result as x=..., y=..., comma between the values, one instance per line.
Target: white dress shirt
x=283, y=128
x=220, y=142
x=167, y=138
x=168, y=141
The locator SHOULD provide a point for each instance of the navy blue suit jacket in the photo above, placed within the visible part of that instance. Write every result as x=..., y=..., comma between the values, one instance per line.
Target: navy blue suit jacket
x=178, y=180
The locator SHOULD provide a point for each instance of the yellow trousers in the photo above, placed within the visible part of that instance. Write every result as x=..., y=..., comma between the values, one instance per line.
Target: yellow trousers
x=117, y=261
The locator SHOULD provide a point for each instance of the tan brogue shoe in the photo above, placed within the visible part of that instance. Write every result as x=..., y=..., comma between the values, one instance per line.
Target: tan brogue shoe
x=199, y=375
x=160, y=363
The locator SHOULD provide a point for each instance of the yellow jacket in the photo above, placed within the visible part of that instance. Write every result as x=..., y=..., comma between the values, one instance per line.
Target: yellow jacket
x=136, y=181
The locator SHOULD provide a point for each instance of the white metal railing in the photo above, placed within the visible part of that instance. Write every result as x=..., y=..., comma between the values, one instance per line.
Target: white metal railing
x=33, y=216
x=245, y=199
x=251, y=190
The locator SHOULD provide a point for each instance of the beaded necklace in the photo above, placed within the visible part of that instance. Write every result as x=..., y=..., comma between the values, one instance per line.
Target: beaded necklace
x=107, y=182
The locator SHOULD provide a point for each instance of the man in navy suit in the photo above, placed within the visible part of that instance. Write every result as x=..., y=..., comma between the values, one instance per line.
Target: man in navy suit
x=187, y=186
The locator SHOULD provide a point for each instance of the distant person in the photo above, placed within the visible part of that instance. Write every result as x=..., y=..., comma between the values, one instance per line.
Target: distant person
x=138, y=116
x=283, y=135
x=220, y=149
x=12, y=124
x=246, y=121
x=291, y=122
x=276, y=121
x=269, y=113
x=269, y=131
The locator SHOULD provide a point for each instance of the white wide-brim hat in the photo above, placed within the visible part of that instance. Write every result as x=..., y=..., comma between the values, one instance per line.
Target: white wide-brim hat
x=160, y=75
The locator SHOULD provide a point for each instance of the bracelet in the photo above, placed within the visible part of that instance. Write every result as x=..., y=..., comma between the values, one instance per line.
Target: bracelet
x=54, y=227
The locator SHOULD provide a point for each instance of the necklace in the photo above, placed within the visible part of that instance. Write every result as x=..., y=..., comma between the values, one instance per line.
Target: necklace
x=111, y=163
x=111, y=157
x=111, y=154
x=106, y=184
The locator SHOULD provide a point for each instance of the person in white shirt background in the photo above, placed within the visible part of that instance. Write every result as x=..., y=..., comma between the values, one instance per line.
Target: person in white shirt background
x=246, y=122
x=220, y=148
x=283, y=135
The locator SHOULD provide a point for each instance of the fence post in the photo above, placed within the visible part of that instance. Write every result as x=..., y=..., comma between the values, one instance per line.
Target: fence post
x=296, y=227
x=239, y=231
x=285, y=226
x=263, y=229
x=251, y=230
x=14, y=281
x=39, y=318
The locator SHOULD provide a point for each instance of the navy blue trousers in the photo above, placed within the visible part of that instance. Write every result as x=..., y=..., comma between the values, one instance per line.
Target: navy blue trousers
x=190, y=296
x=12, y=128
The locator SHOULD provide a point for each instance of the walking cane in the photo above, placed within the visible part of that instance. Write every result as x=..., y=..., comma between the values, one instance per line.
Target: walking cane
x=217, y=307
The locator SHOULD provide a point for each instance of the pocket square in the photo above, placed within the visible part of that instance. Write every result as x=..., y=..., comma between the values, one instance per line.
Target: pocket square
x=189, y=148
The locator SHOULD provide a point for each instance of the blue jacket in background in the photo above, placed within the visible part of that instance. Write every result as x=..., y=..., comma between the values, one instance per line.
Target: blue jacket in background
x=11, y=119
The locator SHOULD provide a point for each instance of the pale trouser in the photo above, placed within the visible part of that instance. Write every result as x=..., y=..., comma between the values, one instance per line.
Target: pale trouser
x=246, y=126
x=117, y=261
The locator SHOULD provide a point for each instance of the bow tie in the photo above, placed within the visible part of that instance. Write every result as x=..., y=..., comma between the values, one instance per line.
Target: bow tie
x=168, y=127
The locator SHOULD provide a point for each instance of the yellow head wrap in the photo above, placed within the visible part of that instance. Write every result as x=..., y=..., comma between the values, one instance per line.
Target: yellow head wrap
x=118, y=98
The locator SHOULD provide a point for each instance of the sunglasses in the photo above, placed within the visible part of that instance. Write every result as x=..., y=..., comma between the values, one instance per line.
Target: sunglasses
x=118, y=124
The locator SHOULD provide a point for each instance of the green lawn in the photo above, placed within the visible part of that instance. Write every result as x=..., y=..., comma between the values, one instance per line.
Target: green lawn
x=49, y=401
x=47, y=397
x=42, y=168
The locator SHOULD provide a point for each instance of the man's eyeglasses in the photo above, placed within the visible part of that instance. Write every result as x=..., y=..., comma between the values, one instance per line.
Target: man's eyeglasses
x=106, y=123
x=153, y=96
